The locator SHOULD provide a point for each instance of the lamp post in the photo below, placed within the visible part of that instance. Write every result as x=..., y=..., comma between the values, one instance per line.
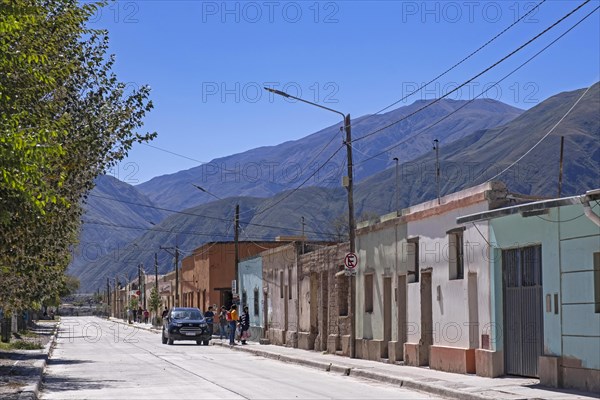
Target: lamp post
x=176, y=255
x=350, y=188
x=236, y=240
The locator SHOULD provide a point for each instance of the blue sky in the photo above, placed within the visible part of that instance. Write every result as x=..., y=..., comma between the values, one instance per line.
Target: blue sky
x=206, y=60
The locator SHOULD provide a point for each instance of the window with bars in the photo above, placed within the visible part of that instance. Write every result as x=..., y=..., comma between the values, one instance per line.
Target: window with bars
x=522, y=266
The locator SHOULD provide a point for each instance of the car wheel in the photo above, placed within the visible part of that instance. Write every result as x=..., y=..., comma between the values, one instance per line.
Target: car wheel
x=164, y=339
x=198, y=342
x=206, y=342
x=170, y=341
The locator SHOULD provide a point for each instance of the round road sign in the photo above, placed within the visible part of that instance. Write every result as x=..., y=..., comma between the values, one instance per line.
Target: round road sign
x=351, y=261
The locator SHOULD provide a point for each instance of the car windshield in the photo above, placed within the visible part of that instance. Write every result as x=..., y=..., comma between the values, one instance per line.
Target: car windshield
x=187, y=314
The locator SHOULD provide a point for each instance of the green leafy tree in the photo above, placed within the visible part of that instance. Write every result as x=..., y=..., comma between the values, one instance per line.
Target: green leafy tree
x=134, y=303
x=155, y=302
x=65, y=118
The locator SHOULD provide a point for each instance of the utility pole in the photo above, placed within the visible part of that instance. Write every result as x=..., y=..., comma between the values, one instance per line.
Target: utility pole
x=176, y=255
x=560, y=171
x=348, y=183
x=140, y=284
x=236, y=245
x=176, y=274
x=351, y=278
x=397, y=186
x=115, y=303
x=156, y=272
x=436, y=147
x=302, y=221
x=143, y=286
x=107, y=292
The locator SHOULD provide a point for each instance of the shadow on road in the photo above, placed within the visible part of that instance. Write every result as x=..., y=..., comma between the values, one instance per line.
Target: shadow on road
x=69, y=383
x=62, y=361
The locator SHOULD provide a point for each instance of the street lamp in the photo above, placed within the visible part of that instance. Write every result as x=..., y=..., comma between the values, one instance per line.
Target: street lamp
x=236, y=235
x=206, y=191
x=176, y=255
x=349, y=186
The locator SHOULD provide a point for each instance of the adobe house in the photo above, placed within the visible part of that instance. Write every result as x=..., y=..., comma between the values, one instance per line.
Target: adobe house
x=544, y=291
x=282, y=278
x=324, y=323
x=281, y=294
x=207, y=273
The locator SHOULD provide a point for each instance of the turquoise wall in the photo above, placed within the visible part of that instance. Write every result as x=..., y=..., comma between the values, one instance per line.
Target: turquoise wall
x=250, y=278
x=568, y=240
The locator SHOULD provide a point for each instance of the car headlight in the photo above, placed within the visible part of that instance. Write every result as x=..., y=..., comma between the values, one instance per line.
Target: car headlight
x=202, y=325
x=177, y=324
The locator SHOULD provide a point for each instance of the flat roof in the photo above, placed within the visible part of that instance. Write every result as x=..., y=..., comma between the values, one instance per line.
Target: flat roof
x=528, y=207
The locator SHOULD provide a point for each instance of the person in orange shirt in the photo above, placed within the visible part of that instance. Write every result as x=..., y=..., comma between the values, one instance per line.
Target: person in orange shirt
x=232, y=324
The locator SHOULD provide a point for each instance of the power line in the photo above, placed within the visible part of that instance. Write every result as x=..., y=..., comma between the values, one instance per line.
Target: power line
x=155, y=229
x=476, y=97
x=545, y=136
x=477, y=75
x=308, y=164
x=535, y=8
x=288, y=194
x=197, y=215
x=175, y=154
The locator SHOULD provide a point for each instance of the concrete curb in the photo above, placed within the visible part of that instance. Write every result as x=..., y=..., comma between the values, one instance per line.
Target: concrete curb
x=32, y=390
x=409, y=383
x=118, y=321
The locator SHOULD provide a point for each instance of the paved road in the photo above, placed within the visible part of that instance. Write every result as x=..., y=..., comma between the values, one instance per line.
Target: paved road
x=97, y=359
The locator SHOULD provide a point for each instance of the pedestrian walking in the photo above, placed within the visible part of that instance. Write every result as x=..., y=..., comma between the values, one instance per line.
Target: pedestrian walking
x=233, y=320
x=210, y=317
x=165, y=312
x=146, y=316
x=223, y=323
x=245, y=325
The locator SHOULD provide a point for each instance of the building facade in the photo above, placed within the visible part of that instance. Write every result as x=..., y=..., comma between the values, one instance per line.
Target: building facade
x=324, y=318
x=545, y=292
x=210, y=272
x=421, y=297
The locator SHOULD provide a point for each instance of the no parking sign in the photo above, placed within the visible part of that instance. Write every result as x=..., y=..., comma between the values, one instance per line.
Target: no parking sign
x=351, y=263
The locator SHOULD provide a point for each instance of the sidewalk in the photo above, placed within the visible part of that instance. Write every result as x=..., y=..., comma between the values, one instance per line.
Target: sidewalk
x=444, y=384
x=423, y=379
x=21, y=370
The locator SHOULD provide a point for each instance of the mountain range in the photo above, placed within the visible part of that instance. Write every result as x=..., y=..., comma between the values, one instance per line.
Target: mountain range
x=476, y=143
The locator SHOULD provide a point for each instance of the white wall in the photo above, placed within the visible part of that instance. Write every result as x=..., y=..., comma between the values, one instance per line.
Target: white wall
x=451, y=321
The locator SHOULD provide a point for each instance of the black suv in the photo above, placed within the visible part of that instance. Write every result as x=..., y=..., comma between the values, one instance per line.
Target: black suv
x=185, y=324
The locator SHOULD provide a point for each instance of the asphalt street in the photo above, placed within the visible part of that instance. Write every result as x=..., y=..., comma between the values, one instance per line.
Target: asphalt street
x=99, y=359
